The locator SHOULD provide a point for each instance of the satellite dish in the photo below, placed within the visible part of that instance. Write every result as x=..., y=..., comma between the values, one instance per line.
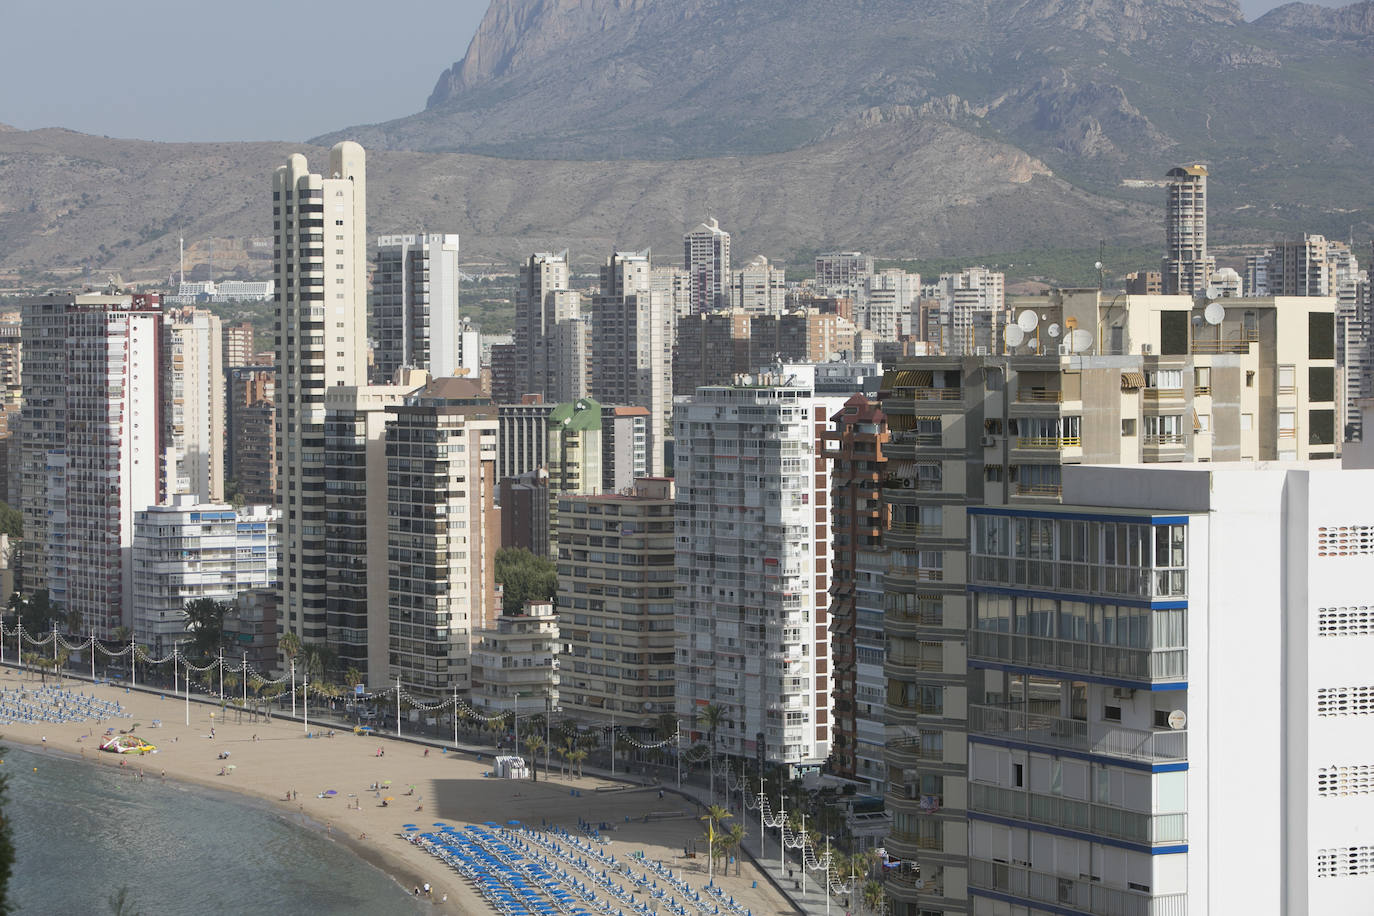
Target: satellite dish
x=835, y=357
x=1212, y=292
x=1054, y=330
x=1177, y=719
x=1214, y=313
x=1027, y=320
x=1080, y=341
x=1097, y=265
x=1015, y=336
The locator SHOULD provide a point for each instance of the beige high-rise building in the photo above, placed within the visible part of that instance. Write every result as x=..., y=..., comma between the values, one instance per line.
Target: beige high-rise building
x=1300, y=267
x=573, y=453
x=542, y=301
x=196, y=403
x=442, y=533
x=1140, y=379
x=759, y=288
x=319, y=225
x=1187, y=266
x=622, y=649
x=632, y=346
x=356, y=501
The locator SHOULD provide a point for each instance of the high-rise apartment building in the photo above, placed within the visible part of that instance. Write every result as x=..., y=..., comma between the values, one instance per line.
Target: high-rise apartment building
x=675, y=285
x=1139, y=382
x=856, y=450
x=887, y=302
x=524, y=436
x=188, y=550
x=93, y=451
x=1300, y=267
x=624, y=447
x=319, y=228
x=712, y=349
x=238, y=344
x=573, y=453
x=632, y=355
x=524, y=503
x=972, y=303
x=759, y=288
x=250, y=412
x=706, y=255
x=1117, y=654
x=195, y=403
x=621, y=646
x=1187, y=266
x=442, y=533
x=415, y=320
x=543, y=300
x=752, y=523
x=1256, y=275
x=842, y=269
x=357, y=505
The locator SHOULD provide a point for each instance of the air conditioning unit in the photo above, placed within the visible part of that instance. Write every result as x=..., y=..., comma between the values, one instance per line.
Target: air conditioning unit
x=1146, y=349
x=1065, y=350
x=1123, y=693
x=989, y=441
x=980, y=351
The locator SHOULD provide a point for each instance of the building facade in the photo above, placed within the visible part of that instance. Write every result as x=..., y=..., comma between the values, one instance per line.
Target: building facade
x=195, y=407
x=415, y=319
x=1187, y=266
x=706, y=255
x=442, y=533
x=515, y=663
x=188, y=550
x=250, y=412
x=620, y=636
x=320, y=274
x=753, y=563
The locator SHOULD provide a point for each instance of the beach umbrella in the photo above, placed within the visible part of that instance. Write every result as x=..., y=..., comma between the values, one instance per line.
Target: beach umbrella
x=389, y=798
x=408, y=826
x=331, y=791
x=512, y=823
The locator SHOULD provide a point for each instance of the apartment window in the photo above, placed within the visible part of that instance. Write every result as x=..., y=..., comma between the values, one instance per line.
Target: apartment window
x=1321, y=427
x=1202, y=380
x=1204, y=423
x=1128, y=427
x=1164, y=378
x=1287, y=379
x=1321, y=335
x=1018, y=774
x=1321, y=383
x=1247, y=422
x=1173, y=333
x=1111, y=713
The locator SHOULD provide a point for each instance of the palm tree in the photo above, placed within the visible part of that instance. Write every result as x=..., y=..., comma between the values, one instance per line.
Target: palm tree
x=535, y=744
x=577, y=757
x=873, y=895
x=290, y=646
x=734, y=839
x=710, y=716
x=713, y=817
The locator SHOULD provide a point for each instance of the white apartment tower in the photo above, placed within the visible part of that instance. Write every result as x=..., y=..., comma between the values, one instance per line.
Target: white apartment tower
x=706, y=254
x=196, y=403
x=842, y=269
x=320, y=270
x=415, y=320
x=1187, y=266
x=93, y=451
x=632, y=346
x=753, y=564
x=759, y=288
x=187, y=550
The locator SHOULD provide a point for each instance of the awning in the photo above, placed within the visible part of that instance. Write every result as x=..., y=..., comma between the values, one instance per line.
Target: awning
x=908, y=378
x=1130, y=381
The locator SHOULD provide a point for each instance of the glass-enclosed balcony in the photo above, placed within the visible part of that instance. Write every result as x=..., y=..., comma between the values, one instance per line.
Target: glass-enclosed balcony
x=1072, y=814
x=1103, y=738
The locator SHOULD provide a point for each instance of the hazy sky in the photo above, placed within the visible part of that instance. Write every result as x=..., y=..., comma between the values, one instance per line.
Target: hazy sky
x=241, y=70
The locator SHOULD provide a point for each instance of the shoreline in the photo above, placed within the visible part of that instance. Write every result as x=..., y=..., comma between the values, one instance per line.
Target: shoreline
x=270, y=759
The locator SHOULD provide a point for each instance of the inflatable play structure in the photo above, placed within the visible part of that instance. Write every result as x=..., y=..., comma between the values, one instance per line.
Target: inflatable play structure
x=127, y=744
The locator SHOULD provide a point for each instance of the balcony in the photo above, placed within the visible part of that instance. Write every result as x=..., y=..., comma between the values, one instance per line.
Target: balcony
x=1088, y=896
x=1163, y=439
x=1052, y=490
x=1039, y=396
x=1217, y=347
x=1049, y=442
x=1072, y=814
x=909, y=751
x=937, y=394
x=1100, y=738
x=907, y=529
x=1079, y=657
x=1163, y=394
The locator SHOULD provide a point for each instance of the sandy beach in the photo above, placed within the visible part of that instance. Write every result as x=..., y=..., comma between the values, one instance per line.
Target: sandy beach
x=271, y=760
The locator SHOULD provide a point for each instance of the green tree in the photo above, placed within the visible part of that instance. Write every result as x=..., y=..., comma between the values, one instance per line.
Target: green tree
x=11, y=521
x=205, y=623
x=534, y=744
x=524, y=577
x=711, y=716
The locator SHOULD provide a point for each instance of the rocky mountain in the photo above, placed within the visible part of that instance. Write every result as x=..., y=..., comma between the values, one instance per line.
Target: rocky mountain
x=1098, y=90
x=73, y=205
x=1351, y=23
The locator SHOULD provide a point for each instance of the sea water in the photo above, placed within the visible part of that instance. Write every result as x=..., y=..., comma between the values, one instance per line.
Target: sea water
x=81, y=832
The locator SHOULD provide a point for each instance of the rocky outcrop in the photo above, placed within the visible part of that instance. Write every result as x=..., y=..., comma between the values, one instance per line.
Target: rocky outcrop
x=1354, y=22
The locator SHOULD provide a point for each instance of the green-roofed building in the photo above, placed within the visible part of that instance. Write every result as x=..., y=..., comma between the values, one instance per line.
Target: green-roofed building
x=574, y=456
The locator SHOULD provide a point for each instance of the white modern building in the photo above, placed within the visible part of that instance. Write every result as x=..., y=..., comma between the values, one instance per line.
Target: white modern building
x=195, y=403
x=842, y=269
x=415, y=320
x=759, y=288
x=543, y=301
x=319, y=226
x=706, y=255
x=188, y=550
x=753, y=561
x=886, y=303
x=1169, y=695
